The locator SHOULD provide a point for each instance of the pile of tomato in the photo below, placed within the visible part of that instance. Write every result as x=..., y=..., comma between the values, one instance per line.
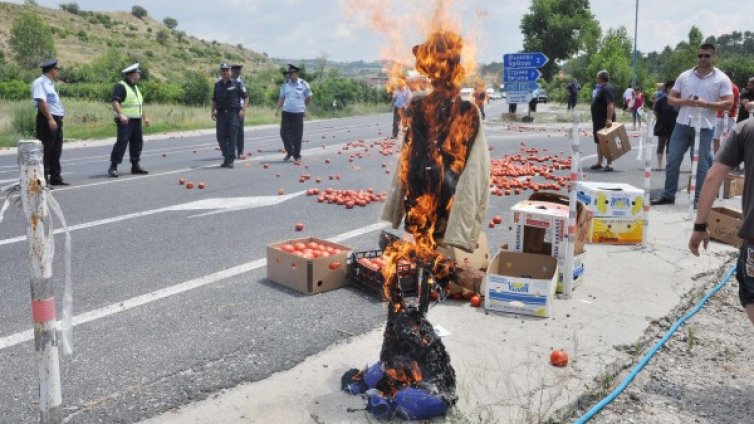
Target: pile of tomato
x=347, y=198
x=310, y=250
x=513, y=174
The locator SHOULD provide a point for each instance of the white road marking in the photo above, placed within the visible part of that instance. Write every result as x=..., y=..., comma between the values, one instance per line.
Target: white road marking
x=231, y=204
x=135, y=302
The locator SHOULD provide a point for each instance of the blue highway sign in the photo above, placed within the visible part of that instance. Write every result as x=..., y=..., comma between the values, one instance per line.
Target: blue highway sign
x=520, y=74
x=518, y=97
x=526, y=87
x=524, y=60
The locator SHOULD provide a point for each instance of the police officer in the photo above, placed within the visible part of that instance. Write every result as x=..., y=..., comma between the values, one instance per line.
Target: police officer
x=235, y=75
x=49, y=124
x=294, y=98
x=128, y=106
x=227, y=98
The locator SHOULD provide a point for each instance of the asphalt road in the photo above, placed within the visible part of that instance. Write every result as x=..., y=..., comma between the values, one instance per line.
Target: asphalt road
x=172, y=303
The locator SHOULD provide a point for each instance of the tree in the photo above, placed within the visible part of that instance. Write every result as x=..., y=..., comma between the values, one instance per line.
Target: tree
x=613, y=55
x=70, y=7
x=171, y=23
x=559, y=29
x=196, y=89
x=139, y=12
x=31, y=40
x=163, y=36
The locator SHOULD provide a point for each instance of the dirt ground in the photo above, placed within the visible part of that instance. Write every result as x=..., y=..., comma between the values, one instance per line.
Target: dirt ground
x=703, y=374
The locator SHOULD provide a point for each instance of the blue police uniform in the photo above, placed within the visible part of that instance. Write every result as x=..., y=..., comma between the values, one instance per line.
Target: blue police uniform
x=43, y=91
x=226, y=98
x=127, y=94
x=294, y=96
x=240, y=136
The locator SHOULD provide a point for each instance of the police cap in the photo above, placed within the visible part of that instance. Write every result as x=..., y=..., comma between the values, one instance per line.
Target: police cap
x=224, y=66
x=50, y=64
x=236, y=67
x=293, y=68
x=132, y=68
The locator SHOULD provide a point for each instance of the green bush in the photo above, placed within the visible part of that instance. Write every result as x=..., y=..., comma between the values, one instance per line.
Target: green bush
x=139, y=12
x=14, y=90
x=70, y=7
x=24, y=121
x=196, y=89
x=86, y=91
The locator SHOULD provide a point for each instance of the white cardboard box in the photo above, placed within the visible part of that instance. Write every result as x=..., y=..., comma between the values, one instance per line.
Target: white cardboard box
x=578, y=272
x=521, y=283
x=616, y=200
x=538, y=227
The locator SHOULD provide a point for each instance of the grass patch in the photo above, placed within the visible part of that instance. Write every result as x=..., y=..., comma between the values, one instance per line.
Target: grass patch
x=94, y=120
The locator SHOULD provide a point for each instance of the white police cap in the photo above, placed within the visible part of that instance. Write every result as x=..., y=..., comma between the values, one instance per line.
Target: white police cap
x=132, y=68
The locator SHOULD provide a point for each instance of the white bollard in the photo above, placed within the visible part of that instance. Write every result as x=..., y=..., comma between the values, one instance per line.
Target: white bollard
x=695, y=162
x=647, y=182
x=572, y=202
x=34, y=202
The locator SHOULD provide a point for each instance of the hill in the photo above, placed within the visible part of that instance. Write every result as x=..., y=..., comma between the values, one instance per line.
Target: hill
x=82, y=37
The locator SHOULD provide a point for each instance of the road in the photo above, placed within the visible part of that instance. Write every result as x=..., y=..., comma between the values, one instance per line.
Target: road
x=170, y=296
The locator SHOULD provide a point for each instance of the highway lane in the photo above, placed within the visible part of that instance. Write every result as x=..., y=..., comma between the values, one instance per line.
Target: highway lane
x=229, y=325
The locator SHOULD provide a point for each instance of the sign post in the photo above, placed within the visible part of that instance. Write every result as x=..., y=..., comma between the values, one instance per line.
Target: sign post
x=520, y=73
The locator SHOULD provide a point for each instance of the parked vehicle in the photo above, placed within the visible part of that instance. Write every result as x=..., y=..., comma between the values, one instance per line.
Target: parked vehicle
x=542, y=97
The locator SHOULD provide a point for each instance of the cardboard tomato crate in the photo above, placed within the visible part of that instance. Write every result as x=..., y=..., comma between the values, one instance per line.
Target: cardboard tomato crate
x=615, y=139
x=724, y=224
x=370, y=279
x=309, y=276
x=611, y=199
x=521, y=283
x=607, y=230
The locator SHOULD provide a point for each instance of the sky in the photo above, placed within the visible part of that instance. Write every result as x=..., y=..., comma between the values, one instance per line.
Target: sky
x=299, y=29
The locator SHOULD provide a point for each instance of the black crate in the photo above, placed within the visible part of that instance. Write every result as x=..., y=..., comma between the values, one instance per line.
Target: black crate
x=372, y=281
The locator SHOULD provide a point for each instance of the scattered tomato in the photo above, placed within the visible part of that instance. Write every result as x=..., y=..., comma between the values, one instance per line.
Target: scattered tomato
x=559, y=358
x=475, y=301
x=299, y=227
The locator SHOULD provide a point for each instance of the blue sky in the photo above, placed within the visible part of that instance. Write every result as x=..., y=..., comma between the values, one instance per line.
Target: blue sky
x=307, y=28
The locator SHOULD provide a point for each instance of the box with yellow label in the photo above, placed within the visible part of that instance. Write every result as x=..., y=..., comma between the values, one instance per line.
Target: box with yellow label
x=521, y=283
x=611, y=199
x=606, y=230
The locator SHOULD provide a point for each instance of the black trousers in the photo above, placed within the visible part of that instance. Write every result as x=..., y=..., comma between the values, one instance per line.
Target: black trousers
x=397, y=112
x=227, y=132
x=292, y=131
x=571, y=102
x=52, y=142
x=239, y=137
x=129, y=134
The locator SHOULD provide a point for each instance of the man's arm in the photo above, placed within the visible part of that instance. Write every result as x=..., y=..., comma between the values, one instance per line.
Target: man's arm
x=213, y=110
x=119, y=112
x=723, y=104
x=45, y=110
x=144, y=116
x=710, y=189
x=674, y=99
x=610, y=111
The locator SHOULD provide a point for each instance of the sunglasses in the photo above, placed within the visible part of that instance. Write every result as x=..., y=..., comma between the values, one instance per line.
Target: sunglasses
x=704, y=56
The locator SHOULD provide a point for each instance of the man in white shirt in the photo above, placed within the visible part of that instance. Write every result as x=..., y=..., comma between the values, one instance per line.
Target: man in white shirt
x=703, y=88
x=49, y=121
x=628, y=96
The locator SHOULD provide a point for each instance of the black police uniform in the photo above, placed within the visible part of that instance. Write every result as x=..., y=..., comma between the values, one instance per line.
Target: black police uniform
x=129, y=134
x=227, y=97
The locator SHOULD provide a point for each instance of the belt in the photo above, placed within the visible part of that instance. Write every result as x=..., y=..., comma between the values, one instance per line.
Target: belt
x=233, y=109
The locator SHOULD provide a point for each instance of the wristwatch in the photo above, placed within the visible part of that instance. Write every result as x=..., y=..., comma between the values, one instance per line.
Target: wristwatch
x=700, y=227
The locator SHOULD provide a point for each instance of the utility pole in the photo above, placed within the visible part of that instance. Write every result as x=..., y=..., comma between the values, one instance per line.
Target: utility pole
x=636, y=36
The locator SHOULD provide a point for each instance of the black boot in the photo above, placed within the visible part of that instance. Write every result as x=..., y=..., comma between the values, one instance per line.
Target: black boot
x=136, y=169
x=113, y=171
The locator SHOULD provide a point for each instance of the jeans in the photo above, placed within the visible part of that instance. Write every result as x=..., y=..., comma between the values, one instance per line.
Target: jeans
x=680, y=141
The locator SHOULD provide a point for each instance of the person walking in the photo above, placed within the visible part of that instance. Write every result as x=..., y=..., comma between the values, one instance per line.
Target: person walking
x=737, y=149
x=628, y=96
x=637, y=109
x=229, y=103
x=295, y=96
x=235, y=75
x=128, y=106
x=603, y=115
x=666, y=117
x=747, y=101
x=401, y=98
x=49, y=121
x=704, y=88
x=573, y=89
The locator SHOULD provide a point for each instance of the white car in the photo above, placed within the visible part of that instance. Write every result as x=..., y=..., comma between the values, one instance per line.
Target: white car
x=467, y=93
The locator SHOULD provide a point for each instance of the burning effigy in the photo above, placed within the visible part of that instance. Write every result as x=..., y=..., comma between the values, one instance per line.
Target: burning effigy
x=440, y=193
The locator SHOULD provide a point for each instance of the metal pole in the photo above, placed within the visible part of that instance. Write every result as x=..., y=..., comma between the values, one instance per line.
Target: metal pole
x=695, y=162
x=572, y=207
x=636, y=37
x=34, y=202
x=647, y=182
x=723, y=137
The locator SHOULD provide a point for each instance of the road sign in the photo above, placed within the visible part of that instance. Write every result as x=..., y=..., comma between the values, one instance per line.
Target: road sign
x=520, y=74
x=520, y=86
x=524, y=60
x=518, y=97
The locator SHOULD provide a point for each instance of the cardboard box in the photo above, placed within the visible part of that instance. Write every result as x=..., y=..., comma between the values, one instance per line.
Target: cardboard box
x=540, y=227
x=611, y=199
x=616, y=140
x=521, y=283
x=478, y=259
x=724, y=224
x=310, y=276
x=607, y=230
x=578, y=272
x=583, y=215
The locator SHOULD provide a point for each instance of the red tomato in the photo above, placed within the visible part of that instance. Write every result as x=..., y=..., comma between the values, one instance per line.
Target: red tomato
x=350, y=204
x=497, y=219
x=434, y=295
x=287, y=248
x=299, y=246
x=475, y=301
x=334, y=265
x=181, y=181
x=559, y=358
x=299, y=227
x=312, y=245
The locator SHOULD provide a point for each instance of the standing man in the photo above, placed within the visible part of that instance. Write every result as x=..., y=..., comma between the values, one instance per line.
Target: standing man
x=235, y=75
x=573, y=93
x=603, y=115
x=128, y=105
x=229, y=103
x=628, y=97
x=49, y=123
x=747, y=101
x=401, y=99
x=738, y=148
x=295, y=96
x=704, y=87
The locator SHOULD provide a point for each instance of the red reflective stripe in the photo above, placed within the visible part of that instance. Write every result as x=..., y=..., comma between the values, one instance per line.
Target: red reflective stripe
x=43, y=310
x=648, y=174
